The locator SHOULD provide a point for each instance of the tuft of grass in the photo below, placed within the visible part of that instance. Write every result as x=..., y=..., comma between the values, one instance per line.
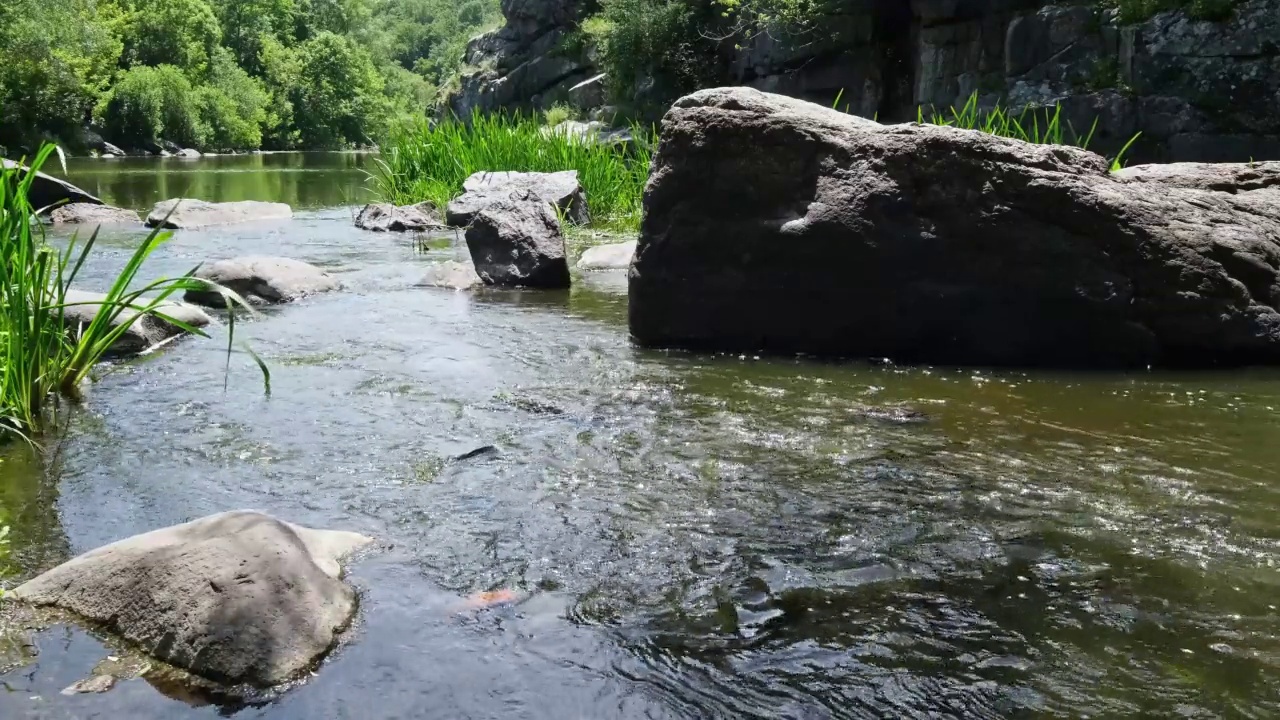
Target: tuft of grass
x=558, y=113
x=40, y=359
x=1041, y=126
x=429, y=161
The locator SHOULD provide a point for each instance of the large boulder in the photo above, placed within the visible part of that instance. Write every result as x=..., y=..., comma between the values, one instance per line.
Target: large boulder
x=238, y=597
x=518, y=242
x=613, y=256
x=47, y=191
x=486, y=188
x=385, y=217
x=184, y=213
x=775, y=224
x=262, y=280
x=88, y=214
x=144, y=332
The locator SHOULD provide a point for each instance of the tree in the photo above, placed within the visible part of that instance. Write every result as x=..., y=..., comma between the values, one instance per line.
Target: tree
x=151, y=103
x=56, y=59
x=183, y=33
x=248, y=24
x=341, y=91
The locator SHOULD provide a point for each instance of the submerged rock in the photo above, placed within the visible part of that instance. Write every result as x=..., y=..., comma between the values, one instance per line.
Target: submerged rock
x=775, y=224
x=184, y=213
x=486, y=188
x=238, y=597
x=144, y=332
x=262, y=280
x=385, y=217
x=87, y=214
x=518, y=242
x=47, y=190
x=614, y=256
x=453, y=275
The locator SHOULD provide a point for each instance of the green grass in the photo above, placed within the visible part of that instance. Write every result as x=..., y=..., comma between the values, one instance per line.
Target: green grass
x=40, y=360
x=426, y=161
x=1042, y=126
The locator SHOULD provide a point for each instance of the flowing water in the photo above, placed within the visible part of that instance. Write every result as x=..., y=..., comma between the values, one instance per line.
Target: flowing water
x=692, y=536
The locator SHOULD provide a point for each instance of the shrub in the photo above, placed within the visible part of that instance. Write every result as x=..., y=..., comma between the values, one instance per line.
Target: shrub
x=148, y=104
x=558, y=113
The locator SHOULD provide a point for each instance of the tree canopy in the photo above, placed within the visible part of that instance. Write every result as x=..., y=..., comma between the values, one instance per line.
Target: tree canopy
x=226, y=74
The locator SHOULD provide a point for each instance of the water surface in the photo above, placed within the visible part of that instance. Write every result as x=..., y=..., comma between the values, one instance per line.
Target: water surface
x=697, y=536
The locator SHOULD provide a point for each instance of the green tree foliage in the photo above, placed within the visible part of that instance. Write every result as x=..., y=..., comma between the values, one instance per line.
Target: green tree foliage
x=183, y=33
x=226, y=74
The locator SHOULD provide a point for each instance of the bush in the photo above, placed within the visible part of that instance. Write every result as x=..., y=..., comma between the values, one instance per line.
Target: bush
x=232, y=105
x=148, y=104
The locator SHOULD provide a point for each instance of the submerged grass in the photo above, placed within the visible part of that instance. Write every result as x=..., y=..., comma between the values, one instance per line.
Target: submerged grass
x=429, y=161
x=41, y=359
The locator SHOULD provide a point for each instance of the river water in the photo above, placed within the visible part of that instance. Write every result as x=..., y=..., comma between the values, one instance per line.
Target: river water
x=693, y=536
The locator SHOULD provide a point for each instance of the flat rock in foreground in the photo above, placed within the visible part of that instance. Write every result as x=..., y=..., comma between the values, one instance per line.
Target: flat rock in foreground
x=775, y=224
x=262, y=280
x=185, y=214
x=518, y=242
x=143, y=333
x=238, y=597
x=385, y=217
x=89, y=214
x=483, y=189
x=614, y=256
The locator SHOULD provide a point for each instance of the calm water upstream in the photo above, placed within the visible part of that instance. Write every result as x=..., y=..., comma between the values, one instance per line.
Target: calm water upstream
x=697, y=536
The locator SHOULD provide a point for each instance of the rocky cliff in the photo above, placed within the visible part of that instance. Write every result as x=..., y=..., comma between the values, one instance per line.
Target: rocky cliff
x=1204, y=90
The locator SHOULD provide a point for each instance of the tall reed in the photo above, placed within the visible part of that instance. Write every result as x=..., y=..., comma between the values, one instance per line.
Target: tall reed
x=41, y=359
x=429, y=161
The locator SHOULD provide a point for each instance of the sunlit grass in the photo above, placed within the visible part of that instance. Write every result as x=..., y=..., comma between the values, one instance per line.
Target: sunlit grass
x=429, y=161
x=41, y=360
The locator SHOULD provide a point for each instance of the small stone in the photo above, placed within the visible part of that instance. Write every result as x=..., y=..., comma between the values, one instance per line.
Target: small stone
x=91, y=684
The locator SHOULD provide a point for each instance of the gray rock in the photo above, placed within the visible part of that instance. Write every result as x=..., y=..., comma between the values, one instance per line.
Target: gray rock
x=91, y=684
x=485, y=188
x=187, y=153
x=518, y=242
x=187, y=213
x=262, y=280
x=86, y=214
x=47, y=191
x=614, y=256
x=109, y=150
x=773, y=224
x=453, y=275
x=385, y=217
x=238, y=597
x=144, y=332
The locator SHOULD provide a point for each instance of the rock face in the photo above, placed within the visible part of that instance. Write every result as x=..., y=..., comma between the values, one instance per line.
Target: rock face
x=485, y=188
x=47, y=190
x=775, y=224
x=86, y=214
x=385, y=217
x=517, y=242
x=237, y=597
x=453, y=275
x=262, y=280
x=1198, y=88
x=184, y=214
x=615, y=256
x=145, y=332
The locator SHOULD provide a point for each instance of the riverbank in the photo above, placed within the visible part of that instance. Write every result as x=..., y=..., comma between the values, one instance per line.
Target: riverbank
x=693, y=535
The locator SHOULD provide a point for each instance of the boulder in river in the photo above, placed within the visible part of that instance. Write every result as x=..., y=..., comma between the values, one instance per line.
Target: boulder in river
x=262, y=280
x=87, y=214
x=614, y=256
x=143, y=333
x=518, y=242
x=779, y=225
x=385, y=217
x=453, y=275
x=483, y=189
x=237, y=597
x=47, y=190
x=184, y=213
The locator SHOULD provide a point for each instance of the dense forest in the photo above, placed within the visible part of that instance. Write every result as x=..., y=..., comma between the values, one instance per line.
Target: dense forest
x=225, y=74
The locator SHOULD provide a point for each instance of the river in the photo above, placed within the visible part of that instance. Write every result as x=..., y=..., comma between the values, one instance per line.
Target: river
x=695, y=536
